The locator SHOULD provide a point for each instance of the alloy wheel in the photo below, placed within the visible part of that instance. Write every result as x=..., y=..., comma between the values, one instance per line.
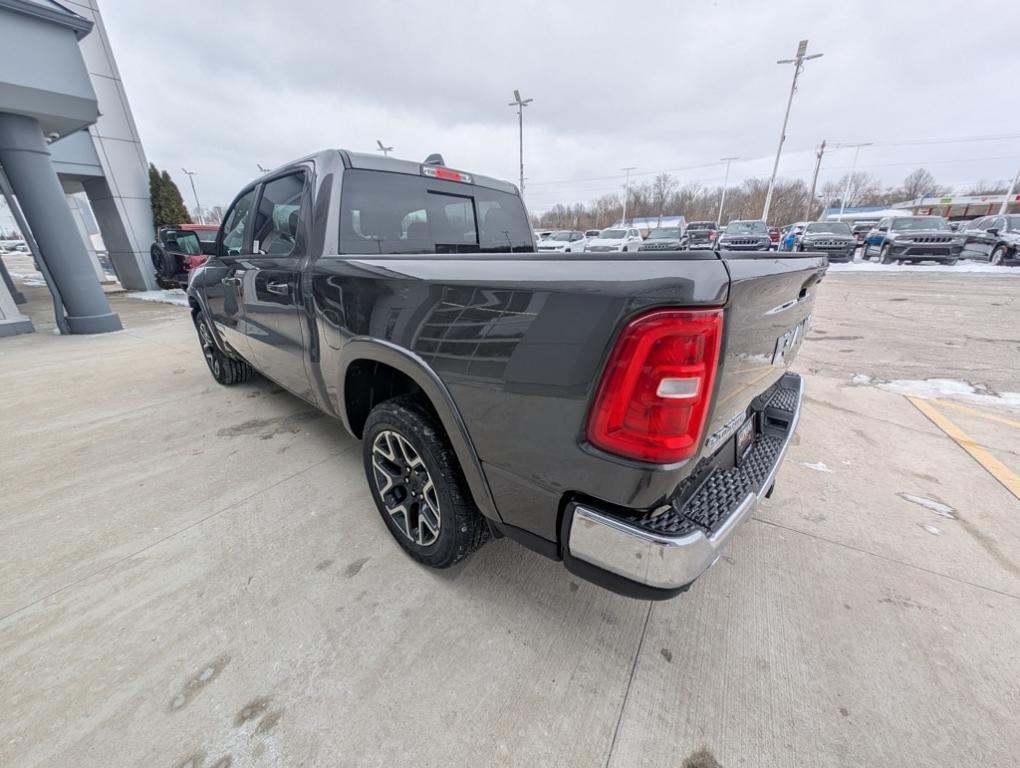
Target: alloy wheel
x=405, y=487
x=208, y=348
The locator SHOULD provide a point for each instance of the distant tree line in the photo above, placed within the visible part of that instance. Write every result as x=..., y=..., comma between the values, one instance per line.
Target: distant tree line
x=664, y=196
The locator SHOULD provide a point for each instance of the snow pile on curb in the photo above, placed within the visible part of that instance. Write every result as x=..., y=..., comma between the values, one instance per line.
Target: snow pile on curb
x=175, y=296
x=934, y=389
x=963, y=266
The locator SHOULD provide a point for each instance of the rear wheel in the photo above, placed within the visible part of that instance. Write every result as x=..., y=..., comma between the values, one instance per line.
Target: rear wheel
x=998, y=255
x=418, y=486
x=225, y=369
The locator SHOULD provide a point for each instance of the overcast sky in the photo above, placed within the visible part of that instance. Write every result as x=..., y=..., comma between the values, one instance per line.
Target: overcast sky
x=220, y=85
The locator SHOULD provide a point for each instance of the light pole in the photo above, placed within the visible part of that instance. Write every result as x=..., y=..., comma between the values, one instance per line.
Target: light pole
x=626, y=192
x=814, y=181
x=520, y=104
x=1012, y=188
x=725, y=185
x=198, y=205
x=798, y=67
x=850, y=176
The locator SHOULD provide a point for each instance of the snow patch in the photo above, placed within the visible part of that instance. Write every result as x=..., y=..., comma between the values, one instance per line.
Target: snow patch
x=940, y=509
x=817, y=466
x=175, y=296
x=932, y=530
x=963, y=266
x=934, y=389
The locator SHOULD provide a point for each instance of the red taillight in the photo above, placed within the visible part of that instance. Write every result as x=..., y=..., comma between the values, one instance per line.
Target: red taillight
x=711, y=234
x=654, y=394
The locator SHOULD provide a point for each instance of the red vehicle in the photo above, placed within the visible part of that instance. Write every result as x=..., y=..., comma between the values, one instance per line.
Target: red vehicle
x=774, y=237
x=178, y=250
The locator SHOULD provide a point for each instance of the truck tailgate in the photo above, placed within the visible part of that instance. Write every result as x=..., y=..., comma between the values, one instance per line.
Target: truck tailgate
x=770, y=301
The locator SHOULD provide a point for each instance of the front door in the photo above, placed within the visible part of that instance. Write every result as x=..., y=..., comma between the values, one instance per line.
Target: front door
x=221, y=280
x=273, y=304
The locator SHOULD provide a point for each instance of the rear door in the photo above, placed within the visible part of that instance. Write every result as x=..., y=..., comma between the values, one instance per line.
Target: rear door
x=221, y=280
x=273, y=306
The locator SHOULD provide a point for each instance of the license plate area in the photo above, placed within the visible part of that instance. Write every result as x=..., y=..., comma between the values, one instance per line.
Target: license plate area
x=745, y=436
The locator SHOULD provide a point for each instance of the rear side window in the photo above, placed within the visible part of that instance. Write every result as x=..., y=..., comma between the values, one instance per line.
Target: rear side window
x=383, y=212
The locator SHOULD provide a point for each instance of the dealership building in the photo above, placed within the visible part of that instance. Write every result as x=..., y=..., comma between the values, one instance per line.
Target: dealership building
x=70, y=156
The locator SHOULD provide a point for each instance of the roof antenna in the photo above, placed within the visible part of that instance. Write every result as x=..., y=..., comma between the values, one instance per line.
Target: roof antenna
x=435, y=159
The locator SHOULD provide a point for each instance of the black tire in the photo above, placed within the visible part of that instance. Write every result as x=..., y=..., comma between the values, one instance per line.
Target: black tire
x=998, y=255
x=885, y=255
x=951, y=262
x=438, y=527
x=225, y=369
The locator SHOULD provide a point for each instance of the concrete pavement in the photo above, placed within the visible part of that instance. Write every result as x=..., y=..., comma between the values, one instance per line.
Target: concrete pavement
x=194, y=575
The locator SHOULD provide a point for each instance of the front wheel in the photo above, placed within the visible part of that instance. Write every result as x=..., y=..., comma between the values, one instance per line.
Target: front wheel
x=418, y=486
x=226, y=370
x=951, y=262
x=885, y=255
x=998, y=255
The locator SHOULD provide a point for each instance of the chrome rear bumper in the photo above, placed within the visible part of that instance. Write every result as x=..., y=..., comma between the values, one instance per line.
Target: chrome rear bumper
x=662, y=561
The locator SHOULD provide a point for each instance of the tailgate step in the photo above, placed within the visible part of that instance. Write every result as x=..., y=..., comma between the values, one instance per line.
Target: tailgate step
x=714, y=491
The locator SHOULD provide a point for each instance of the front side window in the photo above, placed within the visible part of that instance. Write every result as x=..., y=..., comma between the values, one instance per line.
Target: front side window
x=382, y=212
x=235, y=224
x=276, y=222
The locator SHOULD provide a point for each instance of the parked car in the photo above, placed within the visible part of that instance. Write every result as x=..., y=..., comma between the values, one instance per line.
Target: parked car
x=995, y=239
x=791, y=236
x=702, y=234
x=175, y=252
x=833, y=238
x=563, y=241
x=774, y=237
x=665, y=239
x=615, y=239
x=913, y=238
x=621, y=415
x=745, y=235
x=861, y=229
x=590, y=234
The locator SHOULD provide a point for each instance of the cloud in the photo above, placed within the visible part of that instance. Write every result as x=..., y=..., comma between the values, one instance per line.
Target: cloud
x=221, y=86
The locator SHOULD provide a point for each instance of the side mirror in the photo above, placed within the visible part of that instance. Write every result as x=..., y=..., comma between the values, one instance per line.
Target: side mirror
x=993, y=231
x=181, y=241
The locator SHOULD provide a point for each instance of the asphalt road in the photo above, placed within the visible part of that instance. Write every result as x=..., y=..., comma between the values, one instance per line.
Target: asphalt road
x=195, y=576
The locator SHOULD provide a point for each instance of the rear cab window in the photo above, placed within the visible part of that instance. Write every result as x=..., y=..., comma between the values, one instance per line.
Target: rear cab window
x=383, y=212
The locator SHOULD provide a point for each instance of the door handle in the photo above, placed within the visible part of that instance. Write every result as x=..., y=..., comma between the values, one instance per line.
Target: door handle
x=281, y=289
x=233, y=282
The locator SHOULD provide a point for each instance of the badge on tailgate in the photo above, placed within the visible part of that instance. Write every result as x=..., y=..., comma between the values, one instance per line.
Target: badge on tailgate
x=789, y=342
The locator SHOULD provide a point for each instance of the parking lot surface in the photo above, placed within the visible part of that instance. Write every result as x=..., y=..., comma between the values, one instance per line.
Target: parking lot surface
x=196, y=576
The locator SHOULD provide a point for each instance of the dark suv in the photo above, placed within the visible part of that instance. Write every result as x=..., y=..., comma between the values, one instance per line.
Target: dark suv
x=832, y=238
x=701, y=234
x=993, y=238
x=746, y=235
x=913, y=238
x=665, y=239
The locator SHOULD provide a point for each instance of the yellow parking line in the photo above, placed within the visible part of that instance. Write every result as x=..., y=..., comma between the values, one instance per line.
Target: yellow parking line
x=979, y=453
x=979, y=414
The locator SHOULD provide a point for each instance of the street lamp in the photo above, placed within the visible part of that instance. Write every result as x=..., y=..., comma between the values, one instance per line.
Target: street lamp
x=520, y=104
x=798, y=62
x=725, y=184
x=850, y=176
x=198, y=205
x=626, y=192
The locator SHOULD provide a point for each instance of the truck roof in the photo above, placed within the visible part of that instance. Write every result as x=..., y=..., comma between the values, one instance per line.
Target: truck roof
x=374, y=162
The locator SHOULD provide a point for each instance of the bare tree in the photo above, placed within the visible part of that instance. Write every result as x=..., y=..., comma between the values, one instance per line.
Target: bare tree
x=663, y=187
x=919, y=183
x=985, y=187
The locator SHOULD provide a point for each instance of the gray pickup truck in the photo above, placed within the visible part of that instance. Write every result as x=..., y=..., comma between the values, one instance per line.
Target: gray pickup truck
x=623, y=413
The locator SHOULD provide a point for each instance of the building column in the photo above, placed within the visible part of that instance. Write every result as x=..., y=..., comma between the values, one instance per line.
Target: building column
x=11, y=320
x=26, y=160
